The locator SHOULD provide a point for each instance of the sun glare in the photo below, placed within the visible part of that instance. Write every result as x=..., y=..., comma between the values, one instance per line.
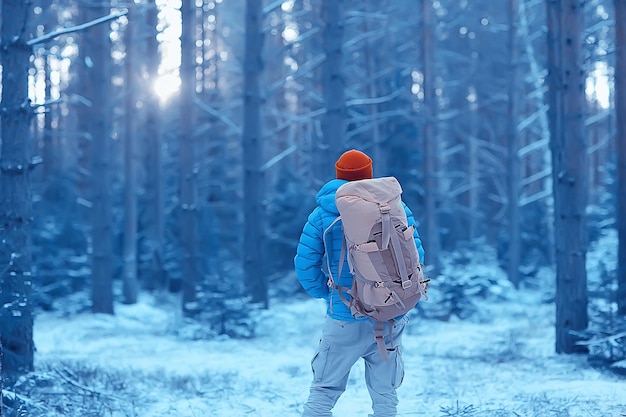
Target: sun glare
x=290, y=33
x=598, y=86
x=166, y=86
x=168, y=82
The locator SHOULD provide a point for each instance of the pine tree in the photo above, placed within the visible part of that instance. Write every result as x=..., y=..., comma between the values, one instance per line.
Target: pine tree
x=254, y=213
x=566, y=79
x=16, y=319
x=620, y=104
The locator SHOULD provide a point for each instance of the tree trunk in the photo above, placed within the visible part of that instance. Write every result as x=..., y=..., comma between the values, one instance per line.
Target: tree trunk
x=1, y=379
x=620, y=109
x=473, y=171
x=16, y=319
x=155, y=218
x=85, y=89
x=49, y=155
x=371, y=68
x=514, y=165
x=99, y=46
x=256, y=280
x=188, y=180
x=129, y=277
x=566, y=79
x=431, y=153
x=334, y=119
x=535, y=101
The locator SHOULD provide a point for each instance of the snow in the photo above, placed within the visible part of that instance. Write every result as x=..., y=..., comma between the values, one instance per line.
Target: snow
x=499, y=364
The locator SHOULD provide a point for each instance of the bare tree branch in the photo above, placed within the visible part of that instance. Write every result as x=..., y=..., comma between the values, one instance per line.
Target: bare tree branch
x=236, y=129
x=278, y=157
x=77, y=28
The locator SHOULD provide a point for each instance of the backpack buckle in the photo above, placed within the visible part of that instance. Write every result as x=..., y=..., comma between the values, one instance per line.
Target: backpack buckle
x=379, y=284
x=407, y=284
x=384, y=208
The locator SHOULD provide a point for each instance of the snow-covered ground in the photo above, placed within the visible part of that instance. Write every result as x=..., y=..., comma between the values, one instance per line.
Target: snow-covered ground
x=135, y=364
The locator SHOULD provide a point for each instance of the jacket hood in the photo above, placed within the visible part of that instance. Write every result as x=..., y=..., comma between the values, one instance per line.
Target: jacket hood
x=326, y=196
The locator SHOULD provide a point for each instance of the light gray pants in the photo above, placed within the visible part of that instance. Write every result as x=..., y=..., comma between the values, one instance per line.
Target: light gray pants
x=341, y=346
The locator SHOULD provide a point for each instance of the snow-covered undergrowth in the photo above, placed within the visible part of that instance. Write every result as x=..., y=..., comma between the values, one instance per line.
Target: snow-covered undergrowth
x=500, y=363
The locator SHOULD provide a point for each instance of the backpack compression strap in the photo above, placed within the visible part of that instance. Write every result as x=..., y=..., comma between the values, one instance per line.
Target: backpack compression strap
x=387, y=225
x=380, y=339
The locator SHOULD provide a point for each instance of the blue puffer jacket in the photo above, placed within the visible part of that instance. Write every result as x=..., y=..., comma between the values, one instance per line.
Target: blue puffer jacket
x=310, y=262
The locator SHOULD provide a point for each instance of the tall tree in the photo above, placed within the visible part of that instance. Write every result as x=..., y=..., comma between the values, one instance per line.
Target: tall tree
x=188, y=171
x=84, y=89
x=1, y=379
x=620, y=108
x=566, y=80
x=373, y=90
x=50, y=155
x=535, y=130
x=98, y=48
x=130, y=284
x=334, y=119
x=154, y=167
x=16, y=319
x=514, y=166
x=256, y=280
x=431, y=154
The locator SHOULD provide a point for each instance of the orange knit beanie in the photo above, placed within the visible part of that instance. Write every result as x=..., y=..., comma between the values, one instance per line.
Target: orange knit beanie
x=354, y=165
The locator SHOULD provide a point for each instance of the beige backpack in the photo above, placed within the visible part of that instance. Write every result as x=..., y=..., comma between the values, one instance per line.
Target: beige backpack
x=381, y=253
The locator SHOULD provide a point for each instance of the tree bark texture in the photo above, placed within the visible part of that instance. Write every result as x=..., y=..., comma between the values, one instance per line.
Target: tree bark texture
x=16, y=319
x=514, y=164
x=98, y=47
x=620, y=108
x=254, y=214
x=334, y=119
x=473, y=172
x=566, y=79
x=372, y=53
x=130, y=285
x=431, y=149
x=155, y=217
x=50, y=156
x=1, y=379
x=85, y=89
x=188, y=180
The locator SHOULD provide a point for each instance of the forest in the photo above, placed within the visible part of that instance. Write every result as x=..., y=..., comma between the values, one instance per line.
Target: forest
x=171, y=151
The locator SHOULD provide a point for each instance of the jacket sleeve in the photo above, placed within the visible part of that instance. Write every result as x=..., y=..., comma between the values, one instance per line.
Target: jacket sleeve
x=309, y=257
x=411, y=222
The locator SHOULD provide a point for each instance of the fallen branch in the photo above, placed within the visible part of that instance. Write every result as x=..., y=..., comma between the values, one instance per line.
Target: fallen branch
x=14, y=397
x=612, y=338
x=84, y=387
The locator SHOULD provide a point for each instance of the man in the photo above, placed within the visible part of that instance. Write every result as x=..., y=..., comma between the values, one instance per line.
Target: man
x=345, y=338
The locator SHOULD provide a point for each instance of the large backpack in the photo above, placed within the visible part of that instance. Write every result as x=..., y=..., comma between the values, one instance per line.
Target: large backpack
x=381, y=253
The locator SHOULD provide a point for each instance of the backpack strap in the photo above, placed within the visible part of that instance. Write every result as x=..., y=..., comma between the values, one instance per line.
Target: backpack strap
x=391, y=323
x=380, y=338
x=331, y=281
x=340, y=289
x=397, y=254
x=386, y=225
